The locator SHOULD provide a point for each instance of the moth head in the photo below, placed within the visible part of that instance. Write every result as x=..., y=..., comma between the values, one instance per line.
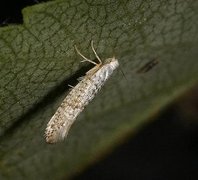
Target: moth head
x=113, y=62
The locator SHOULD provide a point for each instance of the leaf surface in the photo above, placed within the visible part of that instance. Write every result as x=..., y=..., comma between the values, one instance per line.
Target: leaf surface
x=38, y=61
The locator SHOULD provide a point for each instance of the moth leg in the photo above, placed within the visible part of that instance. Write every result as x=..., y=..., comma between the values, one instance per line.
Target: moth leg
x=93, y=70
x=70, y=86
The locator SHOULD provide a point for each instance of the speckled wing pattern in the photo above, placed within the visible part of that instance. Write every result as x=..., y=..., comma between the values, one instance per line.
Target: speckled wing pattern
x=74, y=103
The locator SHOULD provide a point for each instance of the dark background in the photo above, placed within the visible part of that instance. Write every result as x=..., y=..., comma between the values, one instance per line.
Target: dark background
x=167, y=148
x=10, y=10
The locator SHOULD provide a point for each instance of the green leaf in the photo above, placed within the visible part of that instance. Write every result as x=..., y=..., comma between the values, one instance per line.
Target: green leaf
x=37, y=61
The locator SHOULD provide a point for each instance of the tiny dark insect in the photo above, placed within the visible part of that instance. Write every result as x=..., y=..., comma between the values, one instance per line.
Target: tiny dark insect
x=148, y=66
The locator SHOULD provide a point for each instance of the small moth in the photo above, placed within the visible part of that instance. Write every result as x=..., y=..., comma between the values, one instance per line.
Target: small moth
x=80, y=96
x=148, y=66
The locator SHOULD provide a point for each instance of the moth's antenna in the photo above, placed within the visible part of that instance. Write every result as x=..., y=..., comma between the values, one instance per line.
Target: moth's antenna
x=122, y=72
x=85, y=59
x=92, y=46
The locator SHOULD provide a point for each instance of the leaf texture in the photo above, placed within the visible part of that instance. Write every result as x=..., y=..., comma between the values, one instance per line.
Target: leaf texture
x=38, y=61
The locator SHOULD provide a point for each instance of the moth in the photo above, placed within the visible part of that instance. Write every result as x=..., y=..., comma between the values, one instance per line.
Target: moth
x=80, y=96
